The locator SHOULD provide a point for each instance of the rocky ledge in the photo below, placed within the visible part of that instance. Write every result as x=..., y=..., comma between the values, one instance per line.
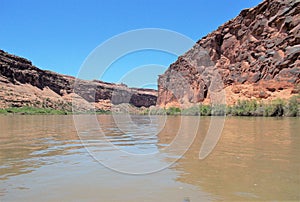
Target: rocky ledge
x=23, y=84
x=255, y=56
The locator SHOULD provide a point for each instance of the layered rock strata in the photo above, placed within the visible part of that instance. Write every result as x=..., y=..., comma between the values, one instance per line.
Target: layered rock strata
x=23, y=84
x=255, y=56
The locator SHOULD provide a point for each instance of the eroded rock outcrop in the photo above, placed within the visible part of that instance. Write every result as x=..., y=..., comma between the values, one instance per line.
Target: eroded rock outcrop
x=255, y=55
x=22, y=84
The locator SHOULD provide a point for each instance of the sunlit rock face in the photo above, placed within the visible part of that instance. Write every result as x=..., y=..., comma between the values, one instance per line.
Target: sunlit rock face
x=22, y=84
x=255, y=56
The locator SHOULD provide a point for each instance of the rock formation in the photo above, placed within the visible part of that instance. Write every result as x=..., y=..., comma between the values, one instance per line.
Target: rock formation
x=254, y=56
x=22, y=84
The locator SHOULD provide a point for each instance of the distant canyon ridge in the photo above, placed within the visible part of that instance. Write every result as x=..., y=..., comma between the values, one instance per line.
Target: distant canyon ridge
x=253, y=56
x=22, y=84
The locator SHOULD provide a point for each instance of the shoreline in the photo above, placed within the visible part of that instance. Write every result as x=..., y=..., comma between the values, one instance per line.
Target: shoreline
x=246, y=108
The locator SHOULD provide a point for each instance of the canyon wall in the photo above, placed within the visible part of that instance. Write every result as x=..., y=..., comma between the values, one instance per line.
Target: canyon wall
x=253, y=56
x=23, y=84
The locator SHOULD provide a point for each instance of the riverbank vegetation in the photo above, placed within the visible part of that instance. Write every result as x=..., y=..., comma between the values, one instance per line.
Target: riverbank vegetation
x=45, y=111
x=31, y=111
x=278, y=107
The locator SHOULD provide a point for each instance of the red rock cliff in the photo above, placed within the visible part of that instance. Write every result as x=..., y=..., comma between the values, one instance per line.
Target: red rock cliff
x=255, y=55
x=22, y=84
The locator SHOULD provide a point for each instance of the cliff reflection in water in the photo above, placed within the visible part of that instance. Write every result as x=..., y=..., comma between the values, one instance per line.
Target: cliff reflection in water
x=256, y=158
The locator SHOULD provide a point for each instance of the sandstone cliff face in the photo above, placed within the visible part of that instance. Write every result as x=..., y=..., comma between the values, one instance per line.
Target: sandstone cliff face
x=22, y=84
x=255, y=55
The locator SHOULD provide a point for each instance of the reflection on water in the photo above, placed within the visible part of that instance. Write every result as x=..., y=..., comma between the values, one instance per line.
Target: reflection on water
x=27, y=141
x=42, y=159
x=256, y=159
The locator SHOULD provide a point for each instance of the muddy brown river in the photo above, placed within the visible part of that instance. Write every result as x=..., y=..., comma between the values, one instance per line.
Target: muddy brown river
x=53, y=158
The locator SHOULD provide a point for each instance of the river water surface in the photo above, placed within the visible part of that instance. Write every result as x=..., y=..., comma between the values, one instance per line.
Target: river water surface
x=42, y=158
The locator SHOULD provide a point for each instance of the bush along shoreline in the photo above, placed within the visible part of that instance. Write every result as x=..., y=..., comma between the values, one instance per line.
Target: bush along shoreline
x=45, y=111
x=275, y=108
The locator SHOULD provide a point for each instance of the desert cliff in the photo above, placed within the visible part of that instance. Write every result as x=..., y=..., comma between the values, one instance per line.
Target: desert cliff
x=255, y=56
x=23, y=84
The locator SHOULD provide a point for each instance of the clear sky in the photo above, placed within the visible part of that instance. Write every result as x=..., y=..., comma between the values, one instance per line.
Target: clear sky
x=59, y=34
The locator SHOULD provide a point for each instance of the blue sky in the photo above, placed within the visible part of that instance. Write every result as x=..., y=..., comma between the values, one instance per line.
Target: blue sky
x=58, y=35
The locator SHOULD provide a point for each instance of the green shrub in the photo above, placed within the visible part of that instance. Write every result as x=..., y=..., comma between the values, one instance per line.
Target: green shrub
x=192, y=111
x=205, y=110
x=275, y=108
x=173, y=111
x=218, y=110
x=293, y=107
x=31, y=111
x=244, y=108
